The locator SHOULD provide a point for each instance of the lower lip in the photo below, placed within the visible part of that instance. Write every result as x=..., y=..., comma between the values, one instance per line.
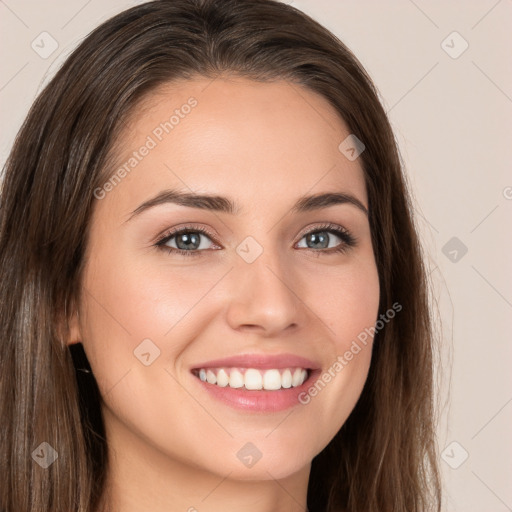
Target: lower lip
x=258, y=401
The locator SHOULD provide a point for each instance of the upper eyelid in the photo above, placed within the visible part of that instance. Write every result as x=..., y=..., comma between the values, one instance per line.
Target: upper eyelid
x=326, y=226
x=168, y=235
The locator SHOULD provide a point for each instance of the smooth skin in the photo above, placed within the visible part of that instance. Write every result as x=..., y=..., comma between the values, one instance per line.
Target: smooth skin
x=263, y=145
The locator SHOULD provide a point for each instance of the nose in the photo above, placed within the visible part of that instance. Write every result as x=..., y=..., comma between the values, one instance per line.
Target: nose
x=263, y=297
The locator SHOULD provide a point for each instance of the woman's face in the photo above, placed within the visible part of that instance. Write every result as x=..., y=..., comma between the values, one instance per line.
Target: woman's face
x=255, y=284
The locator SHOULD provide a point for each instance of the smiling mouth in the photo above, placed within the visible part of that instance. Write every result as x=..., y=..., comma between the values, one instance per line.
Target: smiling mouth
x=253, y=379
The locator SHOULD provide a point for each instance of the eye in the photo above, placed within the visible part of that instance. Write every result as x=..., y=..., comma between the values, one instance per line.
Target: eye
x=322, y=237
x=188, y=241
x=192, y=241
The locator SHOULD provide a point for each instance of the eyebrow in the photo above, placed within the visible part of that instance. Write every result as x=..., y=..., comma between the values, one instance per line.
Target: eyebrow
x=222, y=204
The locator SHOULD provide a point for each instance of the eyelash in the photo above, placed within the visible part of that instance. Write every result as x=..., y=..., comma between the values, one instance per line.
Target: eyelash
x=348, y=240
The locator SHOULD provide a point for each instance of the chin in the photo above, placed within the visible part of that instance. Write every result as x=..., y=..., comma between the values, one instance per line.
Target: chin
x=273, y=467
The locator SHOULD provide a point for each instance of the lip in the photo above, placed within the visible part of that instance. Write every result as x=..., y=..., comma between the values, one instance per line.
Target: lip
x=260, y=361
x=258, y=401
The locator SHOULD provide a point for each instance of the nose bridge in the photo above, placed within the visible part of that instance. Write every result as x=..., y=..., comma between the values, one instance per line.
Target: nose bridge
x=262, y=291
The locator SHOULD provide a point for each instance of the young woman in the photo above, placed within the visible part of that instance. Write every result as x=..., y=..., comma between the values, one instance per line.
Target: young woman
x=213, y=294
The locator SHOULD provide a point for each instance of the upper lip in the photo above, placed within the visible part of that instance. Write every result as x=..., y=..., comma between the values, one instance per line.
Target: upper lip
x=261, y=361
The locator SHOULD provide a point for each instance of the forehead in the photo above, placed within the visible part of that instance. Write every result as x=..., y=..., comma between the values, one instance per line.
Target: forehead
x=253, y=141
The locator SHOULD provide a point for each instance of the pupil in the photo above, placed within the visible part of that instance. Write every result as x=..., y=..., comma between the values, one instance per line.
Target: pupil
x=319, y=240
x=189, y=239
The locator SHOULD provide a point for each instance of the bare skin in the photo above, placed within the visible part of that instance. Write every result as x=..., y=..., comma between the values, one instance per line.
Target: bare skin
x=173, y=447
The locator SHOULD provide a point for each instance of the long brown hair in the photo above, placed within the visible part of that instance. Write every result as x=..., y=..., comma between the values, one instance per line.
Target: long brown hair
x=384, y=456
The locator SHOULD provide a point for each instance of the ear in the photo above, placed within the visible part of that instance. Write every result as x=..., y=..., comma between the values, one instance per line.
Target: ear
x=74, y=332
x=69, y=325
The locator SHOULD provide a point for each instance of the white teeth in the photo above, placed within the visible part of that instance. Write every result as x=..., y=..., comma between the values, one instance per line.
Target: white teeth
x=254, y=379
x=236, y=379
x=272, y=379
x=222, y=378
x=297, y=375
x=286, y=379
x=211, y=377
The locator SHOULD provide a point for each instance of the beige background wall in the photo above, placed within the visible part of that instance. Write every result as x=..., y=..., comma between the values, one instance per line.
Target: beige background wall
x=451, y=109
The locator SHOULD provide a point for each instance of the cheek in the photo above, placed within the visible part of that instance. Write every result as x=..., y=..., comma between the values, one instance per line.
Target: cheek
x=347, y=301
x=137, y=319
x=128, y=302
